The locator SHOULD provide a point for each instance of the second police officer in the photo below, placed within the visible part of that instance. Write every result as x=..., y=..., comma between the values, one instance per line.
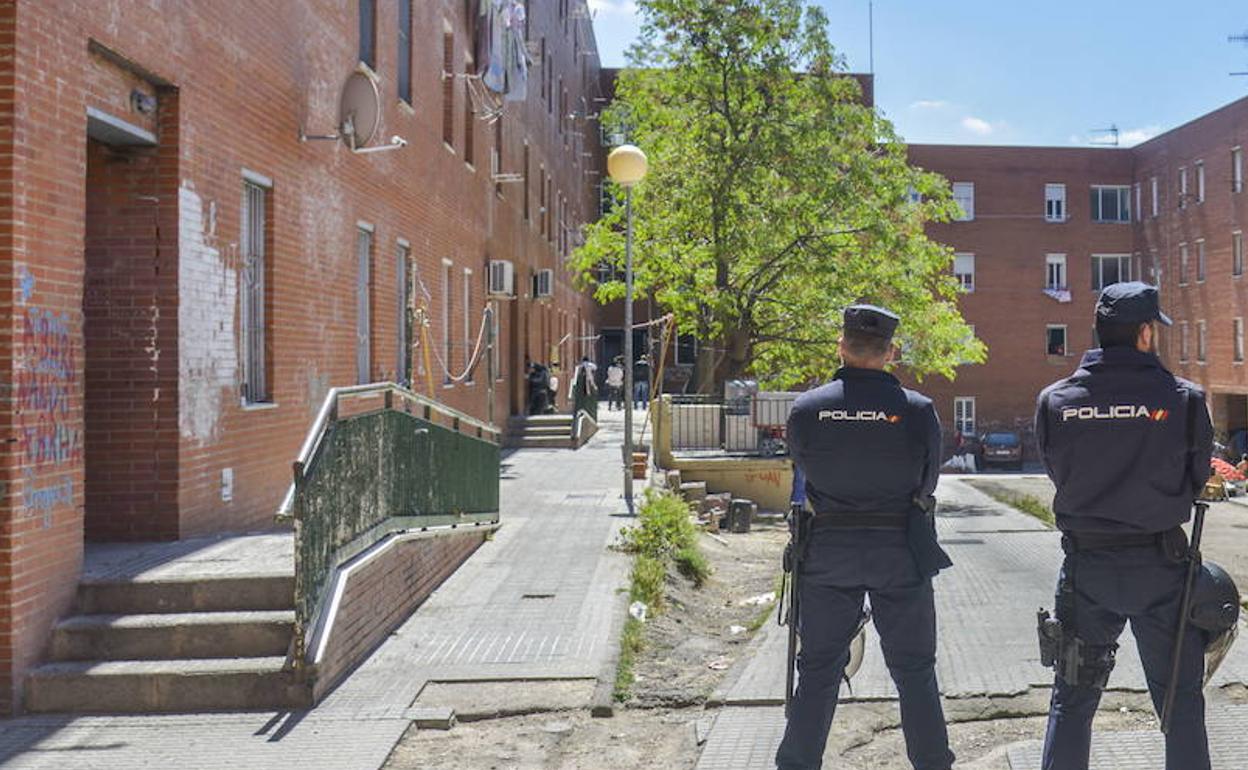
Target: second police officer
x=1127, y=445
x=870, y=451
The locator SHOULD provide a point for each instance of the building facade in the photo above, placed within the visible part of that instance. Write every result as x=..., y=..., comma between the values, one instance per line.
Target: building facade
x=189, y=265
x=1045, y=228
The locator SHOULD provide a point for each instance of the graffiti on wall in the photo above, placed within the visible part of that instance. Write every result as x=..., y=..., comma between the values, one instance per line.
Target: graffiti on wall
x=48, y=432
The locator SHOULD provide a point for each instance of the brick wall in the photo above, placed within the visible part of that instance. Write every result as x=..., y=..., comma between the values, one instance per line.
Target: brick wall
x=235, y=84
x=382, y=593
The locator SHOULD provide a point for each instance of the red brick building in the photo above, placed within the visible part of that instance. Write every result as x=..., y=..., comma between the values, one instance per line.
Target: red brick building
x=185, y=278
x=1047, y=227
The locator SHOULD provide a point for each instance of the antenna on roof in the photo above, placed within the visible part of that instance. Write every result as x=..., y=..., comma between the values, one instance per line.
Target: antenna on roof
x=1105, y=136
x=871, y=36
x=1238, y=39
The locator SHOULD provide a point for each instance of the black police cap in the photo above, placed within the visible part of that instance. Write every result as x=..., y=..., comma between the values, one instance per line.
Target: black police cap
x=1130, y=302
x=869, y=319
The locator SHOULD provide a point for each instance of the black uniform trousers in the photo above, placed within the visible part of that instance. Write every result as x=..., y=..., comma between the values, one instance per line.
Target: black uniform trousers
x=1142, y=585
x=841, y=567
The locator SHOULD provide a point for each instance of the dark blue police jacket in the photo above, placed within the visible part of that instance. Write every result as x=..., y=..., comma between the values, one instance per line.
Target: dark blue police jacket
x=868, y=445
x=1126, y=442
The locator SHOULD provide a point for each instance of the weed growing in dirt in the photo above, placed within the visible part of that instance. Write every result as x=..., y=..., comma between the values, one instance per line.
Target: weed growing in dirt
x=630, y=646
x=691, y=563
x=663, y=526
x=647, y=584
x=1027, y=504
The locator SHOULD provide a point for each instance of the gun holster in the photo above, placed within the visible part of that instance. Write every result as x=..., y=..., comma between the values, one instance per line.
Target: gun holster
x=1074, y=661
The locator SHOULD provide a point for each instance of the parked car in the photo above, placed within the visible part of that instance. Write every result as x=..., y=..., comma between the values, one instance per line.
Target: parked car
x=1001, y=448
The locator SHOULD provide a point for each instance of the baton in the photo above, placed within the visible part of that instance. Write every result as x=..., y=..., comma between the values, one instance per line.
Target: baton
x=1185, y=607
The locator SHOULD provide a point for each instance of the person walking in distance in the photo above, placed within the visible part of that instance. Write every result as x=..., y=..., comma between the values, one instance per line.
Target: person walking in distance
x=615, y=384
x=641, y=383
x=1128, y=446
x=870, y=451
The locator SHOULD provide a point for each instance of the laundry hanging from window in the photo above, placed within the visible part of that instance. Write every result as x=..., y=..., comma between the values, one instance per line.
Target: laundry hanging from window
x=501, y=51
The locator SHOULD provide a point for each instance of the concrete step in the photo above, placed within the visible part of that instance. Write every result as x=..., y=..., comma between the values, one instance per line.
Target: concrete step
x=128, y=686
x=546, y=430
x=542, y=442
x=173, y=636
x=201, y=594
x=543, y=419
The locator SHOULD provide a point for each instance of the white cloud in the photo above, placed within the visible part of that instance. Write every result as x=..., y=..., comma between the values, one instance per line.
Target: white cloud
x=613, y=7
x=929, y=104
x=977, y=126
x=1134, y=136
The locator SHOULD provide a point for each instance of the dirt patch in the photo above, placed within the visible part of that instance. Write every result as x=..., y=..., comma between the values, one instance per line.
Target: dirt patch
x=702, y=632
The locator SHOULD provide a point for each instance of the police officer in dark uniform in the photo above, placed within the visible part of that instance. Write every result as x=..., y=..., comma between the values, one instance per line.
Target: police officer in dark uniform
x=870, y=451
x=1128, y=446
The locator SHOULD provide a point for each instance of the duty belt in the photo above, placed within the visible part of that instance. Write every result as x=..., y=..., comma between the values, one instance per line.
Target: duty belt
x=860, y=521
x=1092, y=541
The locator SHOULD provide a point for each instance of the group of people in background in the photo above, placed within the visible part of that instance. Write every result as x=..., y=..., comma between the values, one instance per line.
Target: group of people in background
x=615, y=383
x=543, y=384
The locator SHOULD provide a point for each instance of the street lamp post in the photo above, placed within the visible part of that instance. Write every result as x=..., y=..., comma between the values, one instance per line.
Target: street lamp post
x=627, y=166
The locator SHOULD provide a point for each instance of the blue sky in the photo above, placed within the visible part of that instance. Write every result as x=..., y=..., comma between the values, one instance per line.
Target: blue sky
x=1025, y=72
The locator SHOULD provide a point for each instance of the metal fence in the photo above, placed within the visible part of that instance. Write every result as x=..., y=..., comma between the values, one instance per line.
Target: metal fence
x=401, y=462
x=752, y=425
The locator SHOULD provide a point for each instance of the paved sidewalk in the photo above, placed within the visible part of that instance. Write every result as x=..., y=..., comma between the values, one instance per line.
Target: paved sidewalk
x=538, y=601
x=1005, y=566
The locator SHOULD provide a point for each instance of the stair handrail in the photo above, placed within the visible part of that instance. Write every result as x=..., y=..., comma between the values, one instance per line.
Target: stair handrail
x=328, y=414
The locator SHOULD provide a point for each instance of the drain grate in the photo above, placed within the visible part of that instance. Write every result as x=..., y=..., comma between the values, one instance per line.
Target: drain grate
x=537, y=596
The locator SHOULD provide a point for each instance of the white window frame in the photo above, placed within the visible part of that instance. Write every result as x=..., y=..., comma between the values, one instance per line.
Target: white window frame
x=1182, y=187
x=1202, y=342
x=964, y=415
x=1057, y=261
x=1237, y=253
x=1122, y=259
x=964, y=196
x=1200, y=181
x=1200, y=261
x=1124, y=203
x=1139, y=206
x=468, y=340
x=1237, y=340
x=1183, y=264
x=448, y=359
x=364, y=236
x=1055, y=202
x=968, y=286
x=1237, y=169
x=1184, y=341
x=1156, y=203
x=1049, y=328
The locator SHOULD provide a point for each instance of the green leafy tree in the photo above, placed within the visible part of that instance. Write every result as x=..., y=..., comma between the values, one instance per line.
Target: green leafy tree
x=775, y=197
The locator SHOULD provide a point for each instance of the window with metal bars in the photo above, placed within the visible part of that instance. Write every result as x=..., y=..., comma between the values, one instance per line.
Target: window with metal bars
x=368, y=33
x=255, y=306
x=448, y=89
x=470, y=123
x=403, y=76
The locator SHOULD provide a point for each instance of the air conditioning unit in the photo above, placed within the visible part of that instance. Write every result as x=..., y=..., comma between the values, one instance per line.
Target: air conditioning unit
x=502, y=278
x=543, y=284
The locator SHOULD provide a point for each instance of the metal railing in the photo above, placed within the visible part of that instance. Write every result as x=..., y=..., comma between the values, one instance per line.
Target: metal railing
x=753, y=425
x=396, y=462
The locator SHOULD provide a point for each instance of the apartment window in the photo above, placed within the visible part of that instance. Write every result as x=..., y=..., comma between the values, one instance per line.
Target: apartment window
x=1111, y=203
x=964, y=196
x=403, y=78
x=255, y=301
x=964, y=271
x=403, y=273
x=1153, y=189
x=448, y=89
x=1184, y=345
x=526, y=182
x=1182, y=187
x=1200, y=181
x=1238, y=330
x=964, y=415
x=368, y=33
x=550, y=85
x=1200, y=261
x=1055, y=202
x=563, y=107
x=1110, y=269
x=1139, y=211
x=1055, y=340
x=686, y=349
x=545, y=69
x=496, y=160
x=363, y=304
x=1201, y=342
x=1237, y=170
x=468, y=330
x=1237, y=253
x=470, y=122
x=541, y=199
x=496, y=348
x=1055, y=272
x=447, y=302
x=1183, y=264
x=550, y=209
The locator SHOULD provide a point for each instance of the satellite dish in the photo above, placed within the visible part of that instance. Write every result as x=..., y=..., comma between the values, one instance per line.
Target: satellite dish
x=359, y=111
